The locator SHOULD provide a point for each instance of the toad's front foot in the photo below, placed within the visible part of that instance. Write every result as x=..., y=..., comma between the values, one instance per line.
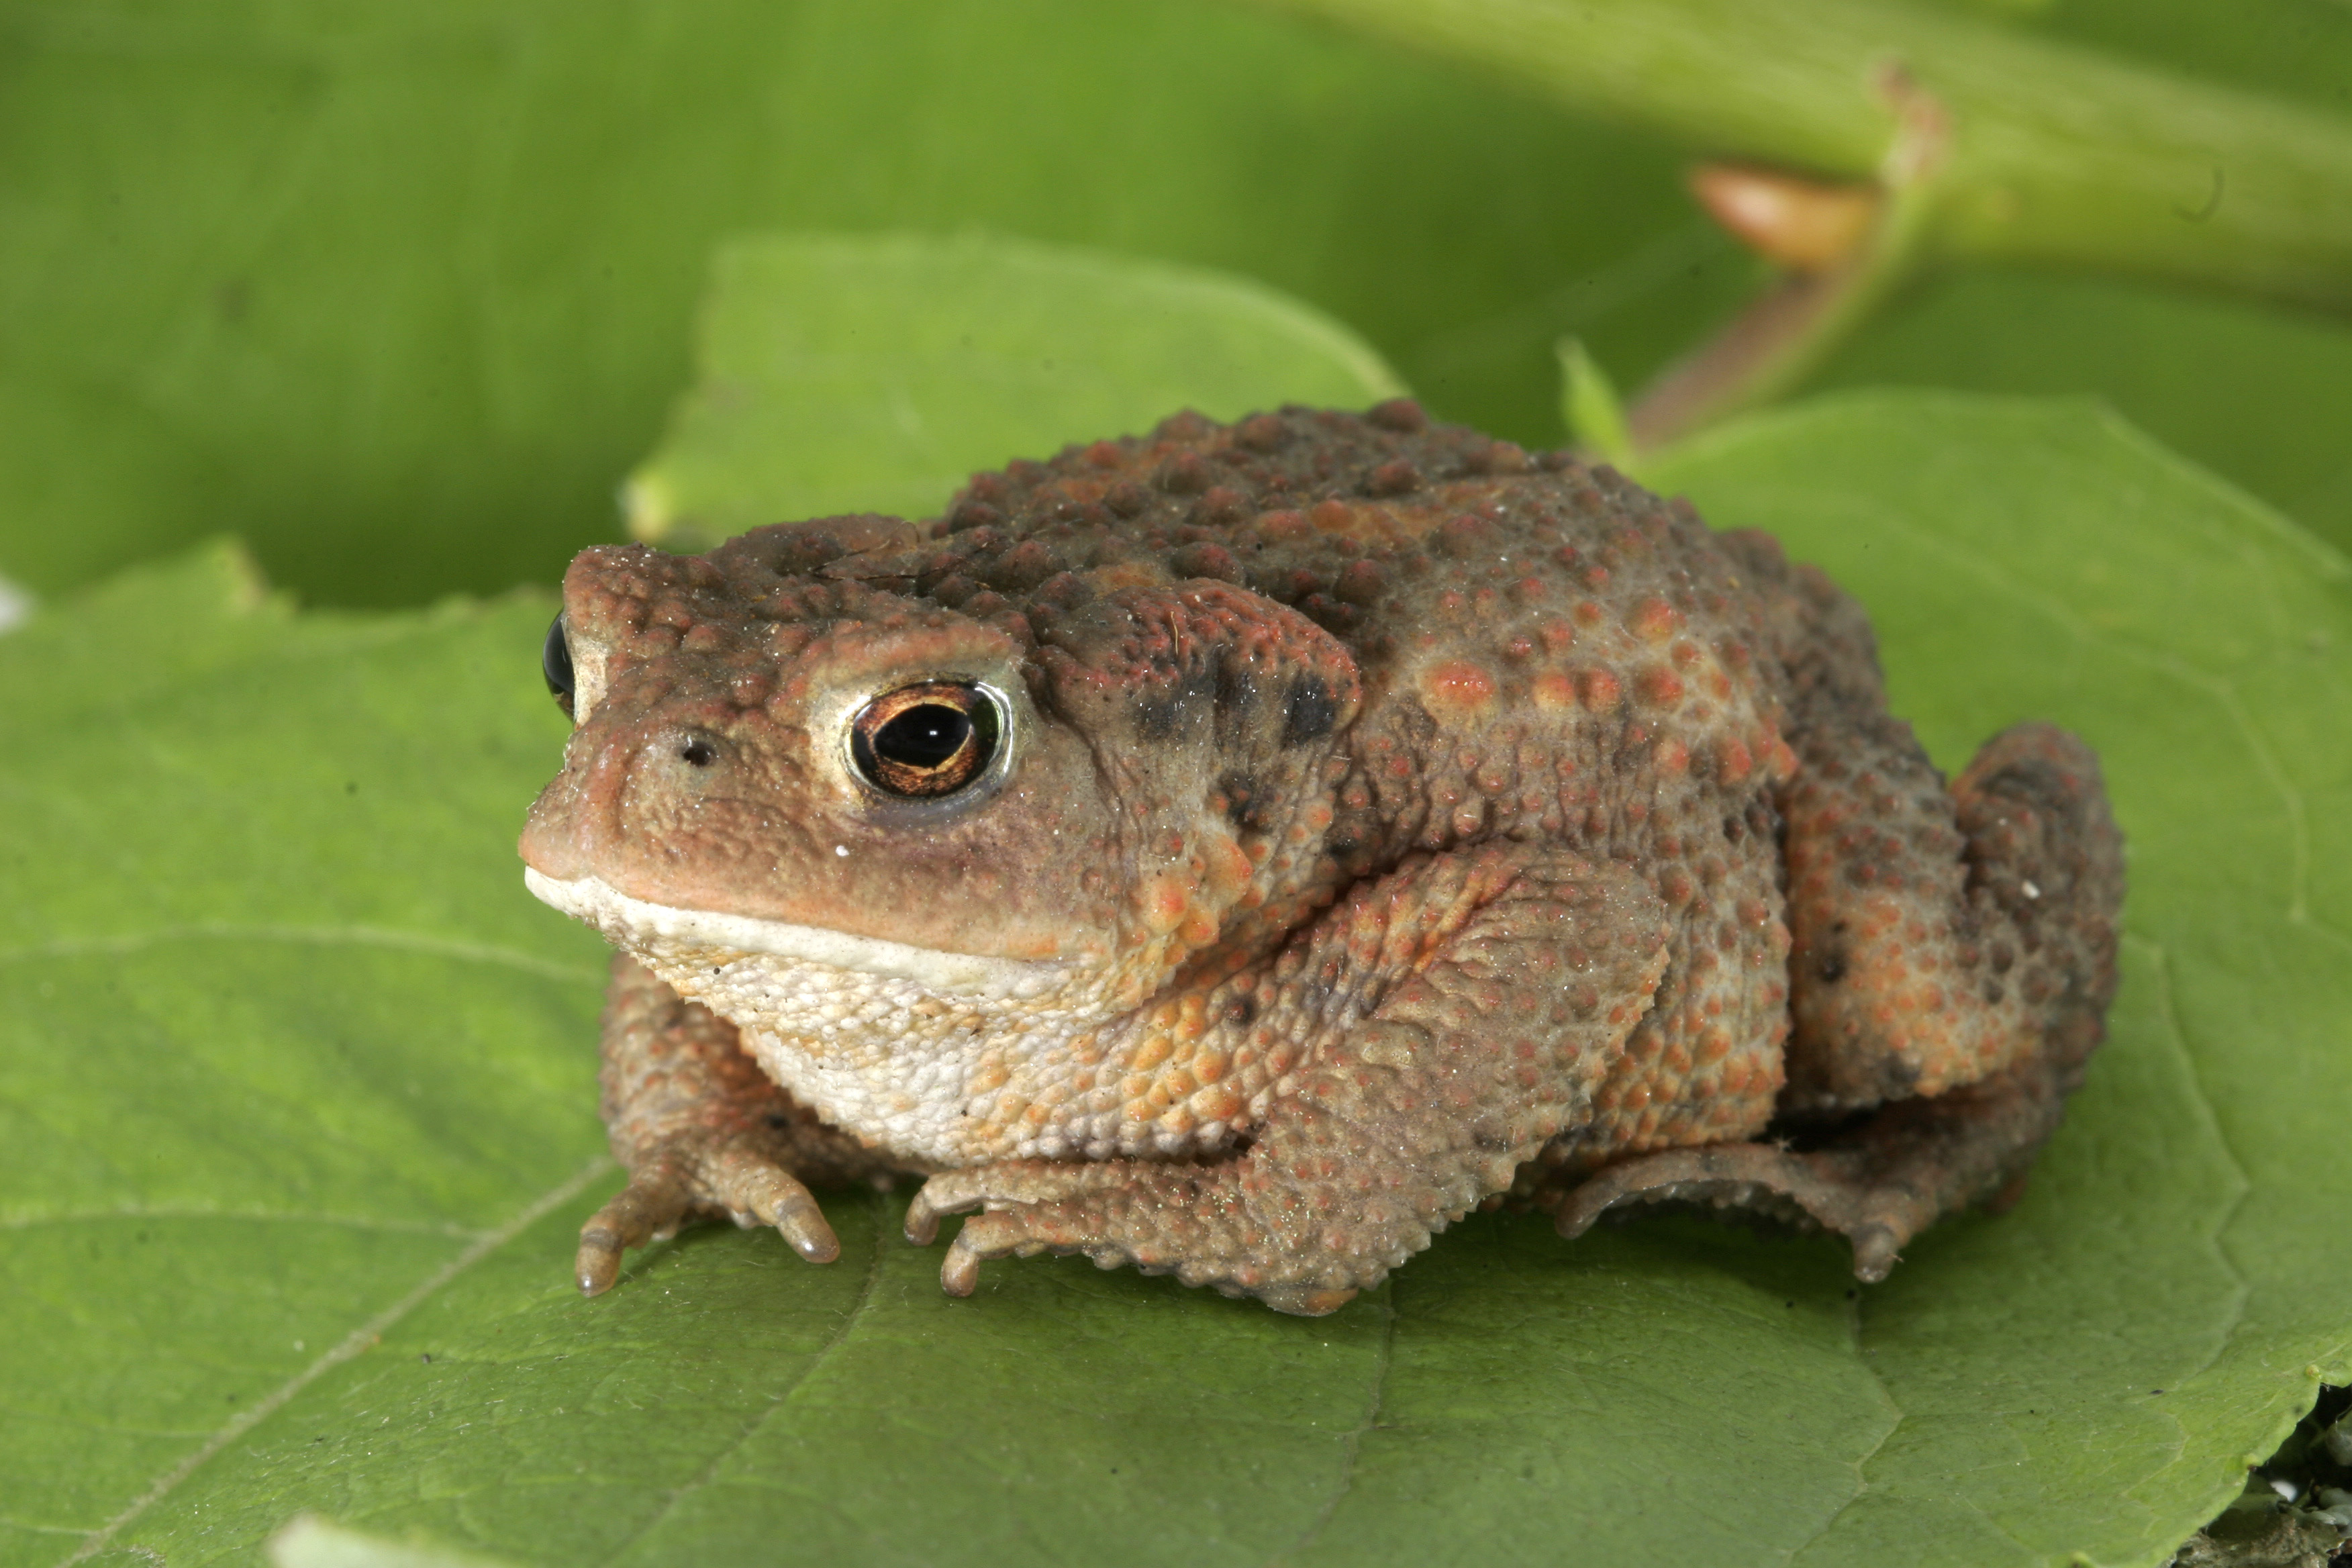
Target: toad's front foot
x=677, y=1185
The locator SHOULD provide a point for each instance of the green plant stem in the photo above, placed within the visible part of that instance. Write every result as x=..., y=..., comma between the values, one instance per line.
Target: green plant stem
x=1785, y=331
x=2058, y=155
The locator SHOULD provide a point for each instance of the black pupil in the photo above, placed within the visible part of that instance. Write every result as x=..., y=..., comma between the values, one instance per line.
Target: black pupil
x=926, y=741
x=555, y=663
x=924, y=736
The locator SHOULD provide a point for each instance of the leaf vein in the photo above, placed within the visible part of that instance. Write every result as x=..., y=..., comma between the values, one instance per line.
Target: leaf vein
x=753, y=1427
x=2177, y=1038
x=1352, y=1442
x=1861, y=1462
x=353, y=1343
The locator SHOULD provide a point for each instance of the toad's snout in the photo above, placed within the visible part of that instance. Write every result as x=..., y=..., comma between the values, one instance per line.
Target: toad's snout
x=617, y=778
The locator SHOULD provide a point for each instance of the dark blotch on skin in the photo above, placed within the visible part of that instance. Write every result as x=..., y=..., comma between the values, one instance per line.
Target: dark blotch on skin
x=1898, y=1078
x=1247, y=802
x=1236, y=689
x=1156, y=717
x=1160, y=717
x=1307, y=713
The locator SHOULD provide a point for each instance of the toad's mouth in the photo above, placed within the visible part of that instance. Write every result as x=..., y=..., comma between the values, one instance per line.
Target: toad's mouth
x=664, y=930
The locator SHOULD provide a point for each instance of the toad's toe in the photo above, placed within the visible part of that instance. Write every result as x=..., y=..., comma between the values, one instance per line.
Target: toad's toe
x=649, y=1209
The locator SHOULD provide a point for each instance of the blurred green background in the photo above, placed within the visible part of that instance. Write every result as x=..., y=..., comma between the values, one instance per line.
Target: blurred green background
x=400, y=293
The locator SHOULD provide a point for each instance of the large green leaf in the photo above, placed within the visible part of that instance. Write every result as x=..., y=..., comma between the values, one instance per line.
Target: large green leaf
x=298, y=1098
x=839, y=374
x=2257, y=394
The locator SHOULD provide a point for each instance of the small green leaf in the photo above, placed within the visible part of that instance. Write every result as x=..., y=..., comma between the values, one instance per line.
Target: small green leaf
x=838, y=373
x=2259, y=395
x=1590, y=408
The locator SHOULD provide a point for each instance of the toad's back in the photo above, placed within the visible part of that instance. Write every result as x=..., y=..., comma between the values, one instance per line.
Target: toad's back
x=1547, y=653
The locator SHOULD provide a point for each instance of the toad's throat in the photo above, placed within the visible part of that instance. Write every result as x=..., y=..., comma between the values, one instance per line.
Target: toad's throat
x=637, y=924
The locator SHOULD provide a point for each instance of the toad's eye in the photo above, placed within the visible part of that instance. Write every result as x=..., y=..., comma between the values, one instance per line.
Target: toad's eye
x=921, y=742
x=555, y=663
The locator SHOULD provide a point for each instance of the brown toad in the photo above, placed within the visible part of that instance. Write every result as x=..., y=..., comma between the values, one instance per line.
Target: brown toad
x=1240, y=850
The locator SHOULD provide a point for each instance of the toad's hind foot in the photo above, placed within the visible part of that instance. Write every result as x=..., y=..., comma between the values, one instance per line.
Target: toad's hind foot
x=1878, y=1185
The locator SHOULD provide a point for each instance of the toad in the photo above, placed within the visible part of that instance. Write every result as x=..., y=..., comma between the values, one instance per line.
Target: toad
x=1239, y=850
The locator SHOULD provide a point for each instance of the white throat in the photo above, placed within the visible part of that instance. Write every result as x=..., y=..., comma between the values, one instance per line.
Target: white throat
x=909, y=1048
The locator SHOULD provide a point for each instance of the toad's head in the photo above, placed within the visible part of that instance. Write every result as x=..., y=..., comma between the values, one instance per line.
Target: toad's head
x=820, y=748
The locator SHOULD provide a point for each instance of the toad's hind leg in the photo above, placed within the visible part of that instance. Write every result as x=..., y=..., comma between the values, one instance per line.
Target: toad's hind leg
x=2035, y=946
x=703, y=1132
x=1456, y=1014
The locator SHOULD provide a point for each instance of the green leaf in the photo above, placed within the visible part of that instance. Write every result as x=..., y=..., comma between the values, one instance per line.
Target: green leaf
x=298, y=1096
x=898, y=365
x=2025, y=558
x=2259, y=395
x=278, y=1043
x=1590, y=408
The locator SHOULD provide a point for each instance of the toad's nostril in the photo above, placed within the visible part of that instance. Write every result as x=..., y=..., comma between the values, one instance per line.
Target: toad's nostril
x=697, y=753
